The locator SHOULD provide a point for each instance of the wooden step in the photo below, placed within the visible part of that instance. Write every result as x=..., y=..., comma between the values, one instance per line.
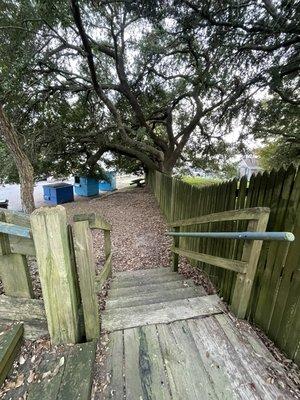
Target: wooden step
x=146, y=280
x=142, y=272
x=149, y=288
x=70, y=375
x=155, y=297
x=157, y=313
x=30, y=312
x=10, y=343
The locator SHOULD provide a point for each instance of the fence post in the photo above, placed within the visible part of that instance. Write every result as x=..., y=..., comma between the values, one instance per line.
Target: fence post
x=84, y=254
x=172, y=209
x=175, y=256
x=14, y=271
x=251, y=253
x=50, y=235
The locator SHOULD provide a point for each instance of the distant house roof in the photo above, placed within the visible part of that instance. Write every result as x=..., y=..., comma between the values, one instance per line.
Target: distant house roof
x=250, y=162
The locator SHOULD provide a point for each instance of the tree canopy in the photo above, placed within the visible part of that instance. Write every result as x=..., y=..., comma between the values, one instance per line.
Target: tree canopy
x=153, y=81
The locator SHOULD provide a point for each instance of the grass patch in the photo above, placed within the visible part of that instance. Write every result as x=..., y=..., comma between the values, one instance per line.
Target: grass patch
x=200, y=180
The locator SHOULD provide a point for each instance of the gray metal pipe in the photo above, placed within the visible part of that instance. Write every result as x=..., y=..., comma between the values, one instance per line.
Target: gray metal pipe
x=279, y=236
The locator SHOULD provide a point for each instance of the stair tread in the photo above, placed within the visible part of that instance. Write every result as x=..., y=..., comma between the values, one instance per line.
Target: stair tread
x=155, y=297
x=143, y=272
x=164, y=312
x=134, y=290
x=146, y=280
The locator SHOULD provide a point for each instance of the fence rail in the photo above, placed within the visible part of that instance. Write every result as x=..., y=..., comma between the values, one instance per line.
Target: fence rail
x=275, y=297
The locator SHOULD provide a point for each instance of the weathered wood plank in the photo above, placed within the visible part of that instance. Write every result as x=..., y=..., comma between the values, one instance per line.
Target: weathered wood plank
x=15, y=230
x=95, y=221
x=155, y=297
x=50, y=234
x=187, y=377
x=10, y=343
x=159, y=313
x=77, y=378
x=14, y=271
x=21, y=245
x=114, y=367
x=15, y=276
x=141, y=273
x=221, y=362
x=104, y=274
x=231, y=215
x=51, y=371
x=145, y=376
x=134, y=290
x=231, y=265
x=256, y=364
x=17, y=218
x=244, y=282
x=28, y=311
x=85, y=262
x=146, y=280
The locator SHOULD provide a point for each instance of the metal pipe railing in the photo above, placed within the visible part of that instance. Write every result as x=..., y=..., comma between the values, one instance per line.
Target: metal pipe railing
x=279, y=236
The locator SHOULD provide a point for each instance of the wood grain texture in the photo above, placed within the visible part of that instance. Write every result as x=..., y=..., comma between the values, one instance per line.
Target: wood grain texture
x=10, y=343
x=158, y=313
x=149, y=288
x=30, y=312
x=232, y=265
x=145, y=376
x=50, y=234
x=246, y=213
x=155, y=297
x=85, y=262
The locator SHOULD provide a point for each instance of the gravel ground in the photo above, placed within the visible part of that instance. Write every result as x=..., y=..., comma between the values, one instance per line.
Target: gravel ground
x=138, y=241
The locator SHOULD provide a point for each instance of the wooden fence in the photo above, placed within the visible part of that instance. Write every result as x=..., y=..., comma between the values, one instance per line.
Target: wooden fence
x=66, y=270
x=275, y=298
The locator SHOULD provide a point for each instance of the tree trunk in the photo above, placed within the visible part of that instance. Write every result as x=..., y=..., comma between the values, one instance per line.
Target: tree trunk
x=25, y=169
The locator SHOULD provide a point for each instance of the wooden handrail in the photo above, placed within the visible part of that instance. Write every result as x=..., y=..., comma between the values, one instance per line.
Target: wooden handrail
x=227, y=263
x=16, y=230
x=232, y=215
x=95, y=221
x=246, y=268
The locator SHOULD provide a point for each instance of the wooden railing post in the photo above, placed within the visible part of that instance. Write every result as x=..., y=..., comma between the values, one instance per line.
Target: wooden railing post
x=14, y=270
x=175, y=256
x=84, y=254
x=50, y=235
x=89, y=282
x=244, y=281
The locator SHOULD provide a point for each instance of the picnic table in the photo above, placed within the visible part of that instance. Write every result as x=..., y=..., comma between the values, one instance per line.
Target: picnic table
x=3, y=203
x=139, y=182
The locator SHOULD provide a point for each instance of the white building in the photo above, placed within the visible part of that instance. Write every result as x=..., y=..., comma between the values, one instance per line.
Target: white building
x=248, y=166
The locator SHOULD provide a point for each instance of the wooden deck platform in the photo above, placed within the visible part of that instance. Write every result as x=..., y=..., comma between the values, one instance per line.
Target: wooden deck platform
x=169, y=340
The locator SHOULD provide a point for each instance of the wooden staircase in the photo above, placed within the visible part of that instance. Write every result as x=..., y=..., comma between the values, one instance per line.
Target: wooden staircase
x=154, y=296
x=167, y=339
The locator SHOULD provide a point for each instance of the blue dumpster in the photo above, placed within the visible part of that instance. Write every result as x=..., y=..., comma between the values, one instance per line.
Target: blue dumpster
x=110, y=183
x=58, y=193
x=85, y=186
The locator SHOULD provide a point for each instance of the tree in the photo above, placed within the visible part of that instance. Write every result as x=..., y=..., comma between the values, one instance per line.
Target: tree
x=8, y=172
x=144, y=80
x=22, y=162
x=265, y=34
x=147, y=84
x=277, y=124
